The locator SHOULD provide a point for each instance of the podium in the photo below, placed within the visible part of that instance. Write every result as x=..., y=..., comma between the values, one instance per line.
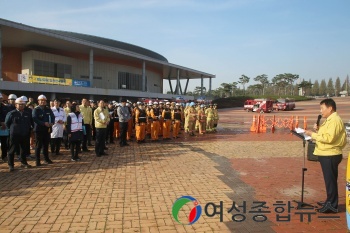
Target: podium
x=310, y=152
x=301, y=203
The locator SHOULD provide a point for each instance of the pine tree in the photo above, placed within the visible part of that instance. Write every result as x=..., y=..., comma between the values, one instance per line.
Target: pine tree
x=330, y=87
x=316, y=88
x=323, y=88
x=337, y=86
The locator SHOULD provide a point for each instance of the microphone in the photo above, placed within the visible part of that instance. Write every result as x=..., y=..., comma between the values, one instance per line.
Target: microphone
x=318, y=120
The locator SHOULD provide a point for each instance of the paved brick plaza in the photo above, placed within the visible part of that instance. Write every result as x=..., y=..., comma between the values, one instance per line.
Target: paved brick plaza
x=133, y=189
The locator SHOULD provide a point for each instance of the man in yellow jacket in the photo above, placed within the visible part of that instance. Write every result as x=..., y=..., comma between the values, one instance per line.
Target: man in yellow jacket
x=101, y=116
x=330, y=140
x=86, y=112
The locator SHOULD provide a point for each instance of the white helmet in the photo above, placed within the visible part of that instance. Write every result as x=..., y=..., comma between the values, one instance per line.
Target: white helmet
x=42, y=97
x=12, y=97
x=127, y=104
x=160, y=102
x=24, y=98
x=19, y=101
x=167, y=103
x=178, y=104
x=138, y=102
x=155, y=103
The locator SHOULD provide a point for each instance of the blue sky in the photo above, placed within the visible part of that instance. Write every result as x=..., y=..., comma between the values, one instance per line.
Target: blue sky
x=227, y=38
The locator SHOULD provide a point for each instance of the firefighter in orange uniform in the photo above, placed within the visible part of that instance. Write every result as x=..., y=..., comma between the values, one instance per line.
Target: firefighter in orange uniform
x=191, y=115
x=140, y=123
x=161, y=120
x=176, y=116
x=166, y=115
x=130, y=122
x=149, y=119
x=155, y=121
x=202, y=119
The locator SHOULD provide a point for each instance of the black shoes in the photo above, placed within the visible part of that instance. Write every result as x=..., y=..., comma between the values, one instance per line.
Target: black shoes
x=48, y=161
x=11, y=168
x=86, y=150
x=320, y=203
x=75, y=159
x=327, y=208
x=25, y=165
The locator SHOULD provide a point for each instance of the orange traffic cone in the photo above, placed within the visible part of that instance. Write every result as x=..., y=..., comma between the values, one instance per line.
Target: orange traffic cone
x=297, y=122
x=253, y=127
x=258, y=125
x=291, y=126
x=273, y=124
x=263, y=124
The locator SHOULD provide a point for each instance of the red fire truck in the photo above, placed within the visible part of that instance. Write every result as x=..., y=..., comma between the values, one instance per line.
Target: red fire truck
x=285, y=104
x=258, y=105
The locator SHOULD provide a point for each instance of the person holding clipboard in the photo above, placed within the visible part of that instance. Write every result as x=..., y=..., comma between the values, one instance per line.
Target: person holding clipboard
x=330, y=139
x=101, y=116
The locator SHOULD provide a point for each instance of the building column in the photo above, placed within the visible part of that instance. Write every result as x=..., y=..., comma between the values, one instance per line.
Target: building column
x=53, y=95
x=91, y=70
x=201, y=85
x=209, y=94
x=143, y=76
x=0, y=54
x=178, y=82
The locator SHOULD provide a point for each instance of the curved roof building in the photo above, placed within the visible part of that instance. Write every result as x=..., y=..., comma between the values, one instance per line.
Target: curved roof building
x=57, y=63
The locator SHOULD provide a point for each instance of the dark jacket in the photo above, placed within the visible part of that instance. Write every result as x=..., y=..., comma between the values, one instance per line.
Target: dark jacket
x=40, y=116
x=19, y=123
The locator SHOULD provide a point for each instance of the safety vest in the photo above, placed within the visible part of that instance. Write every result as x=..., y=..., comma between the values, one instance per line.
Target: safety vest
x=167, y=114
x=76, y=124
x=142, y=116
x=177, y=114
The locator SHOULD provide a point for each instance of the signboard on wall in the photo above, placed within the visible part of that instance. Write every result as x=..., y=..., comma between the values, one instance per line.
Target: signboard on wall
x=50, y=80
x=24, y=78
x=81, y=83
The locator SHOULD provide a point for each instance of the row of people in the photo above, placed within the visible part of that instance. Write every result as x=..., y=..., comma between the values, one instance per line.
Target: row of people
x=79, y=123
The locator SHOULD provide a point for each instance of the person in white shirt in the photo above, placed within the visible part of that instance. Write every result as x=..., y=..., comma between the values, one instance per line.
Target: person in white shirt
x=58, y=127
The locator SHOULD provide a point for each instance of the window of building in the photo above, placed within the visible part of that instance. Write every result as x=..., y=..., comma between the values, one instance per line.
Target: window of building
x=87, y=77
x=51, y=69
x=130, y=81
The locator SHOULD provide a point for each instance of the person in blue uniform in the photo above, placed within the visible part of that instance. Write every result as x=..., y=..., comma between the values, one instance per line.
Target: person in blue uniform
x=19, y=123
x=43, y=118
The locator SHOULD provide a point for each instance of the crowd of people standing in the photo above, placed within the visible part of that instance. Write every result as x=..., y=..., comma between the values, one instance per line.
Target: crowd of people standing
x=26, y=125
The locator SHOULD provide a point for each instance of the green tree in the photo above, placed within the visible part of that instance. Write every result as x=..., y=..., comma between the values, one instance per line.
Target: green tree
x=280, y=82
x=346, y=83
x=263, y=79
x=243, y=80
x=337, y=86
x=305, y=86
x=323, y=88
x=290, y=79
x=198, y=90
x=255, y=89
x=330, y=87
x=316, y=88
x=227, y=89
